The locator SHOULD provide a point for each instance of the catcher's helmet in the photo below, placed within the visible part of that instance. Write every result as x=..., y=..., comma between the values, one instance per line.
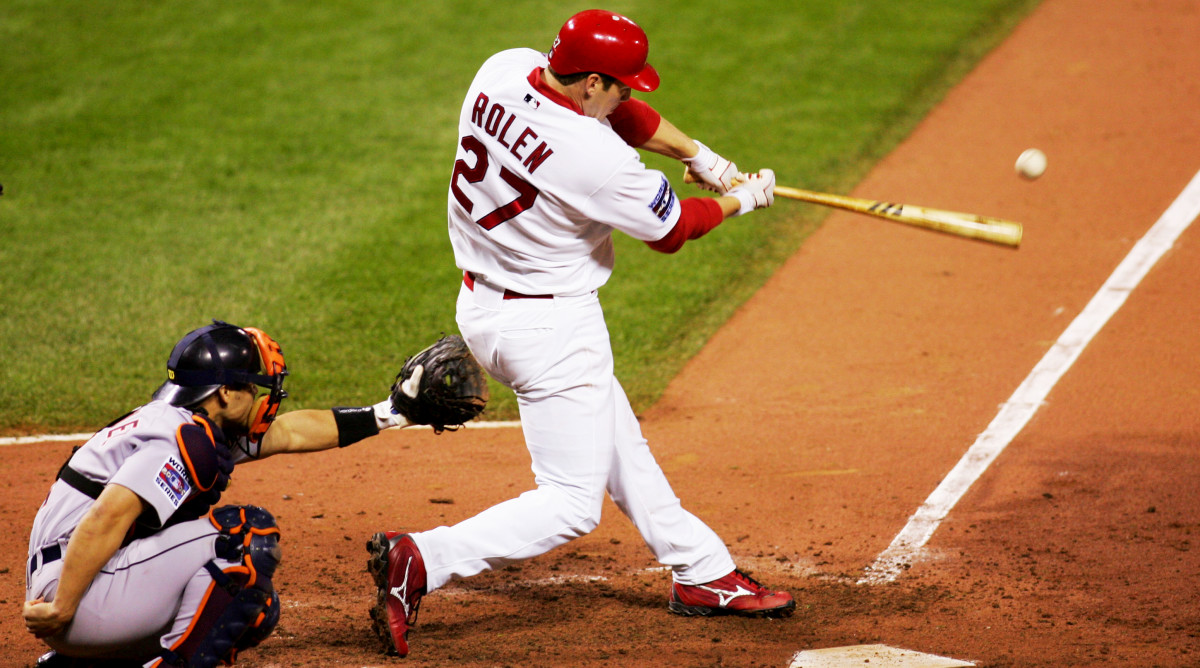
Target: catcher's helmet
x=600, y=41
x=224, y=354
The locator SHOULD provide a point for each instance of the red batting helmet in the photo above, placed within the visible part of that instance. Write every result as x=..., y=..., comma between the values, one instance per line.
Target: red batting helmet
x=604, y=42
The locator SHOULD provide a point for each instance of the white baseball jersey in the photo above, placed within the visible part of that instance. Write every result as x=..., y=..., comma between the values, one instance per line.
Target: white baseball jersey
x=538, y=187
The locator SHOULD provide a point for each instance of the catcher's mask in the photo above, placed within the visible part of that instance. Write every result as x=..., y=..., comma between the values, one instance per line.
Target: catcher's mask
x=224, y=354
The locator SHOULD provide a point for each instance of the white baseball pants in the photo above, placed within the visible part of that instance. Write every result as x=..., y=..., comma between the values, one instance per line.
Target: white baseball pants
x=584, y=440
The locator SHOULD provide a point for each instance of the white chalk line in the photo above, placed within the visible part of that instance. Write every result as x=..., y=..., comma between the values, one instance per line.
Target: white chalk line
x=1020, y=408
x=48, y=438
x=552, y=581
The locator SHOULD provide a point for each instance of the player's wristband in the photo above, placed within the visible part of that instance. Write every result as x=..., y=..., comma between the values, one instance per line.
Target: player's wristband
x=354, y=424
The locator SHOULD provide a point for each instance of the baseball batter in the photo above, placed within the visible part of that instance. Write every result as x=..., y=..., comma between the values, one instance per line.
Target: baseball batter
x=546, y=169
x=127, y=564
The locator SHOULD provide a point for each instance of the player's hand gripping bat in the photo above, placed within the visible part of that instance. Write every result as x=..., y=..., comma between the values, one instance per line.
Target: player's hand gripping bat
x=972, y=226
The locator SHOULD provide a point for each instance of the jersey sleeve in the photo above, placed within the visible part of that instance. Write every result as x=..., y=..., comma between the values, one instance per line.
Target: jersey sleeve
x=698, y=216
x=635, y=200
x=158, y=476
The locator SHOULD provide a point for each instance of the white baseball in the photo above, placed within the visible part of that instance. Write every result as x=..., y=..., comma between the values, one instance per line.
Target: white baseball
x=1031, y=164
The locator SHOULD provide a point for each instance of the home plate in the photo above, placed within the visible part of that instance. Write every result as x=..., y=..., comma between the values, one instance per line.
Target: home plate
x=864, y=656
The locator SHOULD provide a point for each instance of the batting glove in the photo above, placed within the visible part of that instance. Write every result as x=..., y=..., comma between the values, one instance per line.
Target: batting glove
x=754, y=191
x=711, y=170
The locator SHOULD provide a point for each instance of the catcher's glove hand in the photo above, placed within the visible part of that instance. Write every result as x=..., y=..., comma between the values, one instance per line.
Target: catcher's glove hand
x=442, y=386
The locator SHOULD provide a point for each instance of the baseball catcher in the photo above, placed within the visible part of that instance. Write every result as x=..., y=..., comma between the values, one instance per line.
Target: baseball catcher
x=192, y=579
x=442, y=386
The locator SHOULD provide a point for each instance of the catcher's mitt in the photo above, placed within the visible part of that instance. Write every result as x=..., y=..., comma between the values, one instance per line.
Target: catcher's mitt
x=442, y=386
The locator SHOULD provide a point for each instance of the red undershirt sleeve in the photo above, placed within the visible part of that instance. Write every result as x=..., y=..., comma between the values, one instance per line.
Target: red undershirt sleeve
x=635, y=122
x=697, y=217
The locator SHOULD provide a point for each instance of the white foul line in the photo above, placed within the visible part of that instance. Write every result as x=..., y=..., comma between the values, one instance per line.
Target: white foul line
x=1019, y=409
x=46, y=438
x=22, y=440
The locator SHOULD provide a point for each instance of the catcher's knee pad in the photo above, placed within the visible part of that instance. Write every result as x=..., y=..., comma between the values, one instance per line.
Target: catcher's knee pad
x=225, y=625
x=248, y=535
x=241, y=608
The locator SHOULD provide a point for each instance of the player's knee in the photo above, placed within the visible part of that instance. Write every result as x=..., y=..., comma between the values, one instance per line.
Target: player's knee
x=242, y=607
x=248, y=535
x=588, y=524
x=583, y=513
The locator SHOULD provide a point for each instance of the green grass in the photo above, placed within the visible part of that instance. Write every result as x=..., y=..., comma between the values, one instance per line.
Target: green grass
x=284, y=165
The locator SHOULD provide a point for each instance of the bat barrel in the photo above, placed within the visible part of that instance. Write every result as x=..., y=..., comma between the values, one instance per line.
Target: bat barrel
x=968, y=225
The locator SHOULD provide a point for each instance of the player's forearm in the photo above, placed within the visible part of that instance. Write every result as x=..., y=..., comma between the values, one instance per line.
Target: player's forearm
x=96, y=539
x=729, y=205
x=315, y=430
x=670, y=141
x=300, y=431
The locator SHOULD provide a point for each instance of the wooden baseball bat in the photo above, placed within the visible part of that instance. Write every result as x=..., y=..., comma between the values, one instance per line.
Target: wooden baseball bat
x=972, y=226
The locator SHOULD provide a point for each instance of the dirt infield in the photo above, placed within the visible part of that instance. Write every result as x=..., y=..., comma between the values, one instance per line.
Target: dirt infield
x=887, y=351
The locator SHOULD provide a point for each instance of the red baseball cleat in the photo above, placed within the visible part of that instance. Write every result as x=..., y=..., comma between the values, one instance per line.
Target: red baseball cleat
x=734, y=594
x=399, y=574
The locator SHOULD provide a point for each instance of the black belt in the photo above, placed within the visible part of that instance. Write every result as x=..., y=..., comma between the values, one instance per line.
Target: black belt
x=49, y=554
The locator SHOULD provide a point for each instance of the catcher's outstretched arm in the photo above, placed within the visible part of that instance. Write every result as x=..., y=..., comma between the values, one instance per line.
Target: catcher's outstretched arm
x=300, y=431
x=442, y=386
x=315, y=430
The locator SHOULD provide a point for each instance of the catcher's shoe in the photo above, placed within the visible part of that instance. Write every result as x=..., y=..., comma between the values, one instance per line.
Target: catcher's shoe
x=399, y=572
x=734, y=594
